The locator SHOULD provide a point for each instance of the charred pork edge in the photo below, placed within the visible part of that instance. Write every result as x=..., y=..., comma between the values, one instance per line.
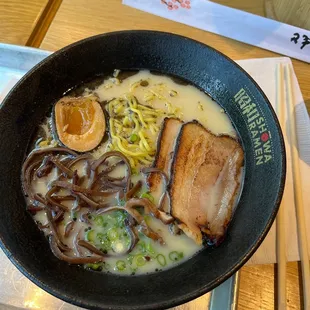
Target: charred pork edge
x=172, y=167
x=158, y=145
x=158, y=148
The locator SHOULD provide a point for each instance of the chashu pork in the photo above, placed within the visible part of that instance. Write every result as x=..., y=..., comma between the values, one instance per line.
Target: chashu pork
x=165, y=149
x=204, y=182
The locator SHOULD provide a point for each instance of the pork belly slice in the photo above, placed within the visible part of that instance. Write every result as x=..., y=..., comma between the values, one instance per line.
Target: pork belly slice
x=163, y=159
x=204, y=182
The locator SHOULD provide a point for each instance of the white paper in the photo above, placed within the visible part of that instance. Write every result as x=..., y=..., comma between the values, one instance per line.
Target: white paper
x=235, y=24
x=264, y=73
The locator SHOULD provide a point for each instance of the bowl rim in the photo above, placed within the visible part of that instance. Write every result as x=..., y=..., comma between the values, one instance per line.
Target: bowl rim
x=198, y=292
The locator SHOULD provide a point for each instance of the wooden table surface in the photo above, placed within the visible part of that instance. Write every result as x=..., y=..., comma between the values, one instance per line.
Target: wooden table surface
x=77, y=19
x=18, y=19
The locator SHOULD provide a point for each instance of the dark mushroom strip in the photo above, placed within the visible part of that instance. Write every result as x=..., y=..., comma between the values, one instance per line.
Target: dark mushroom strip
x=59, y=198
x=166, y=218
x=75, y=178
x=114, y=185
x=88, y=168
x=90, y=247
x=79, y=189
x=149, y=207
x=134, y=190
x=65, y=160
x=174, y=229
x=113, y=179
x=42, y=226
x=144, y=229
x=95, y=165
x=156, y=170
x=79, y=158
x=97, y=177
x=29, y=165
x=39, y=198
x=72, y=260
x=68, y=172
x=89, y=202
x=165, y=181
x=45, y=167
x=54, y=230
x=75, y=244
x=50, y=200
x=59, y=216
x=133, y=235
x=27, y=178
x=68, y=228
x=84, y=218
x=44, y=151
x=34, y=208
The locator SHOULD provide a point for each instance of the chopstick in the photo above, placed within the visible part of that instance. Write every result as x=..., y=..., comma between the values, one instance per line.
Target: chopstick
x=301, y=225
x=280, y=221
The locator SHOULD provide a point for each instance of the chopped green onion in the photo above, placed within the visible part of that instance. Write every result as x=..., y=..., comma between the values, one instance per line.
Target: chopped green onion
x=141, y=246
x=96, y=266
x=110, y=218
x=120, y=265
x=130, y=258
x=90, y=235
x=149, y=248
x=99, y=220
x=105, y=242
x=112, y=234
x=175, y=256
x=121, y=202
x=133, y=138
x=139, y=260
x=121, y=216
x=100, y=236
x=161, y=260
x=148, y=196
x=118, y=247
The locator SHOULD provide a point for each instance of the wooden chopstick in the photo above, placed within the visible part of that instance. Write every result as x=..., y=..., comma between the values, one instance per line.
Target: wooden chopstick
x=301, y=225
x=280, y=221
x=42, y=24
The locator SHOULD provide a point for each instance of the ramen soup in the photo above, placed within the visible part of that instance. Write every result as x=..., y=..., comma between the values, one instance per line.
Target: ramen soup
x=133, y=174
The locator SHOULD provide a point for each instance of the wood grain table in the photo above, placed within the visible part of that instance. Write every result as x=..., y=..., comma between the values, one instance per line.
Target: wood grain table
x=18, y=19
x=77, y=19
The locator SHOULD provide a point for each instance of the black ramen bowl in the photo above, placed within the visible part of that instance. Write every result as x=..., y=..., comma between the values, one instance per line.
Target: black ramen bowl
x=230, y=86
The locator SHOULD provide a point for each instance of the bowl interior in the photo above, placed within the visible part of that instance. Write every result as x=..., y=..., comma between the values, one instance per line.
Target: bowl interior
x=225, y=82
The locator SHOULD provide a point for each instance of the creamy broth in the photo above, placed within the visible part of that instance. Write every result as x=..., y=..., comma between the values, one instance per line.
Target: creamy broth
x=164, y=92
x=107, y=231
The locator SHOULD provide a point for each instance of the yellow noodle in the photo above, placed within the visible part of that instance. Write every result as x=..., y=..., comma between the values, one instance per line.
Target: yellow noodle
x=146, y=145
